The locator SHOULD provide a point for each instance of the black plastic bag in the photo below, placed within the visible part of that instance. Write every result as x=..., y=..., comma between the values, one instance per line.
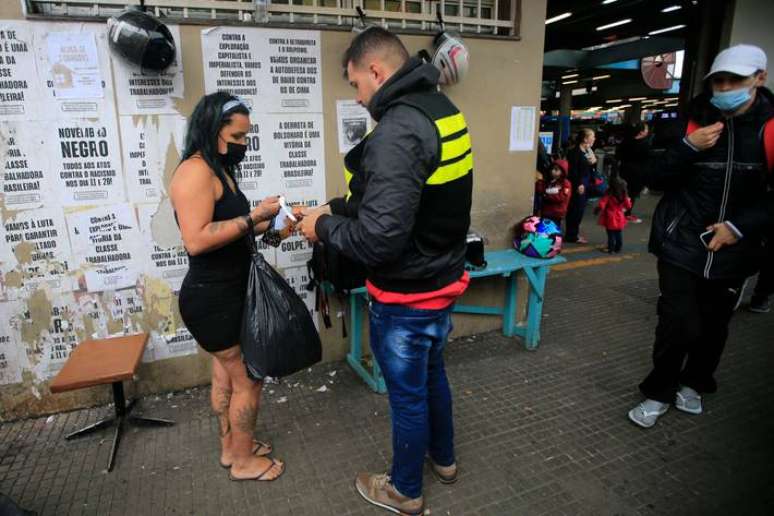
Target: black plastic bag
x=278, y=335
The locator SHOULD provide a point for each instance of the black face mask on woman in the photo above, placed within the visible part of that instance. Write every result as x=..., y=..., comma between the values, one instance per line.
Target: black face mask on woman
x=235, y=153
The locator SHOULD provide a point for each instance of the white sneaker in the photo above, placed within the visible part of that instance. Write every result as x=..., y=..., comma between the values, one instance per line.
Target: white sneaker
x=688, y=402
x=644, y=417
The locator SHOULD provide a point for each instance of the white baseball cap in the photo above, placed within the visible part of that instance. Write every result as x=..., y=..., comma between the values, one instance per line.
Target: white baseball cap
x=743, y=60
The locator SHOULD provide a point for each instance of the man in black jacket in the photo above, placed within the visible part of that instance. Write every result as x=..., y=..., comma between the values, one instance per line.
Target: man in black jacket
x=413, y=183
x=715, y=181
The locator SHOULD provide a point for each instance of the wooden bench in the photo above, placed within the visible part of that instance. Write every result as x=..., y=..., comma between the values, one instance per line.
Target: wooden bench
x=99, y=362
x=505, y=263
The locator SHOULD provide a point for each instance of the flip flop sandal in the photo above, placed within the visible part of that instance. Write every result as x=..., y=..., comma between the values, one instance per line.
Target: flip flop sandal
x=260, y=477
x=261, y=449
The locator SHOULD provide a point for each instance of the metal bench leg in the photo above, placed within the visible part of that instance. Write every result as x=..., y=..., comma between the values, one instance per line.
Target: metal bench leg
x=535, y=307
x=91, y=428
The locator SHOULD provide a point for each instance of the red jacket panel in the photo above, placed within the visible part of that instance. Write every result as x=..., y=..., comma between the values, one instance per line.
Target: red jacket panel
x=611, y=212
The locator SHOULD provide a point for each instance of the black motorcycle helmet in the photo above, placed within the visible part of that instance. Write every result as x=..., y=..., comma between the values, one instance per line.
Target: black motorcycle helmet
x=141, y=40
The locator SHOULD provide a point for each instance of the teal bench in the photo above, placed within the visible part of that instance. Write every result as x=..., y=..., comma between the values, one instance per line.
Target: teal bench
x=505, y=263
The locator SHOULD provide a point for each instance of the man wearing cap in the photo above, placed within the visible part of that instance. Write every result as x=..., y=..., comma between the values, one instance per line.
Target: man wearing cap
x=715, y=181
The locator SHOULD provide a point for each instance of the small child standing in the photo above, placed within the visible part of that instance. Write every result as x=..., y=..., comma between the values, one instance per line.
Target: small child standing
x=556, y=193
x=612, y=209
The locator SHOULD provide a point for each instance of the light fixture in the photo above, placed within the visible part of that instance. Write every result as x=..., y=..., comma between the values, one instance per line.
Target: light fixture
x=671, y=8
x=668, y=29
x=569, y=82
x=595, y=108
x=569, y=76
x=558, y=17
x=607, y=2
x=600, y=77
x=613, y=101
x=623, y=106
x=616, y=24
x=671, y=105
x=633, y=99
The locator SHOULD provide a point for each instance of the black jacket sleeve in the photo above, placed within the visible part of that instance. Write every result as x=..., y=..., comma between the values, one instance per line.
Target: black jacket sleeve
x=397, y=161
x=667, y=171
x=758, y=219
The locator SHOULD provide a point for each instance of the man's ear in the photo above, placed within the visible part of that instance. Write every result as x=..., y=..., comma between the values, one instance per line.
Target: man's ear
x=760, y=79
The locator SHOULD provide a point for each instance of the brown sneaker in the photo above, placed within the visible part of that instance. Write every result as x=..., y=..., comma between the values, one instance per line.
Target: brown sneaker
x=377, y=490
x=444, y=474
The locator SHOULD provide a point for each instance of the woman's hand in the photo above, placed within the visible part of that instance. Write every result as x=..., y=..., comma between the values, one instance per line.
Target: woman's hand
x=266, y=209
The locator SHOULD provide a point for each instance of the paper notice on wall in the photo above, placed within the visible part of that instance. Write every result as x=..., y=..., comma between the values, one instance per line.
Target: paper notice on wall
x=150, y=93
x=49, y=327
x=353, y=122
x=523, y=132
x=145, y=146
x=10, y=346
x=74, y=69
x=106, y=244
x=274, y=70
x=20, y=94
x=113, y=313
x=74, y=65
x=86, y=162
x=234, y=61
x=294, y=80
x=297, y=140
x=35, y=251
x=168, y=264
x=26, y=177
x=180, y=344
x=255, y=175
x=298, y=278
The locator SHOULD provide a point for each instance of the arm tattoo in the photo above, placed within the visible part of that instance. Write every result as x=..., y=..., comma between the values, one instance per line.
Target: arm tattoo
x=245, y=420
x=214, y=227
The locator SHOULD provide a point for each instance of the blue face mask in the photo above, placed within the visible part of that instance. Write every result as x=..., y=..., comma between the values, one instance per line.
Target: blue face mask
x=731, y=100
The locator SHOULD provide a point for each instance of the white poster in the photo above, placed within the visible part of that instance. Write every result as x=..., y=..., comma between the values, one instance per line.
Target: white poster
x=180, y=344
x=74, y=69
x=298, y=278
x=145, y=146
x=353, y=122
x=74, y=65
x=26, y=177
x=149, y=93
x=234, y=61
x=256, y=175
x=120, y=312
x=297, y=141
x=168, y=264
x=106, y=244
x=37, y=251
x=523, y=133
x=294, y=81
x=276, y=71
x=10, y=361
x=86, y=162
x=20, y=94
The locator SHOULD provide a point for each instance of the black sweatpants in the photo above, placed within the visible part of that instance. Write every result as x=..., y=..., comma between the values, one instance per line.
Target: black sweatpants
x=765, y=285
x=693, y=317
x=574, y=217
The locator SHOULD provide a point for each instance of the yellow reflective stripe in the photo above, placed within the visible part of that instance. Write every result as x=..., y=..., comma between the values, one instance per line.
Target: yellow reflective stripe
x=455, y=148
x=451, y=172
x=347, y=179
x=450, y=124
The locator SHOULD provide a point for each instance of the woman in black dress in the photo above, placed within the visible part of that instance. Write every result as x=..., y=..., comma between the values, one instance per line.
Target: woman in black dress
x=212, y=213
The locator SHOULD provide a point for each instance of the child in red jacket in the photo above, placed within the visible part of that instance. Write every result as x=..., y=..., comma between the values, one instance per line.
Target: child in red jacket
x=612, y=216
x=556, y=194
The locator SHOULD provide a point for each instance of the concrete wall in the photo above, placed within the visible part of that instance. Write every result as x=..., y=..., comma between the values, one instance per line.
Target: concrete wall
x=503, y=73
x=752, y=24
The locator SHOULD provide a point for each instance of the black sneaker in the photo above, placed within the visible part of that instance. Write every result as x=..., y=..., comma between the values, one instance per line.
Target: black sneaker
x=760, y=305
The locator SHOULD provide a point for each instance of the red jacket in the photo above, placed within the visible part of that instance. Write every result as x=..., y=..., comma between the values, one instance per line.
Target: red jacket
x=611, y=212
x=555, y=203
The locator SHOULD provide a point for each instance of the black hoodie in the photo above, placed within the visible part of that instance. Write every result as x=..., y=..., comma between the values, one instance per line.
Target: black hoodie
x=729, y=182
x=398, y=158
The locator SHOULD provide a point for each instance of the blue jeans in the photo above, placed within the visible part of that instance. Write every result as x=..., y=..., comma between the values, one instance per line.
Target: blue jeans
x=408, y=345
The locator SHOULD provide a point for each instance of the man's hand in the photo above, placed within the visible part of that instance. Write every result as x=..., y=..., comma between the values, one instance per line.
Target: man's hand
x=723, y=236
x=705, y=137
x=306, y=226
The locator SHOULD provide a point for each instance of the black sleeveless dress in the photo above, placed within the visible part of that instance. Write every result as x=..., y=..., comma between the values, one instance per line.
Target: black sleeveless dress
x=212, y=295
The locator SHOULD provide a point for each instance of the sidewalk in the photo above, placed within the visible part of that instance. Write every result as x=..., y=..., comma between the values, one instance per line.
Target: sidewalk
x=540, y=432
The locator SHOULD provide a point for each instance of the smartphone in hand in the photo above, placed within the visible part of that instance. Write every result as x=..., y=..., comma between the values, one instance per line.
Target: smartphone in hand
x=707, y=237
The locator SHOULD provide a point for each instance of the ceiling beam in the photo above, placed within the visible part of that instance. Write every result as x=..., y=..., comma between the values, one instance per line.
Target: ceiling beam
x=594, y=58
